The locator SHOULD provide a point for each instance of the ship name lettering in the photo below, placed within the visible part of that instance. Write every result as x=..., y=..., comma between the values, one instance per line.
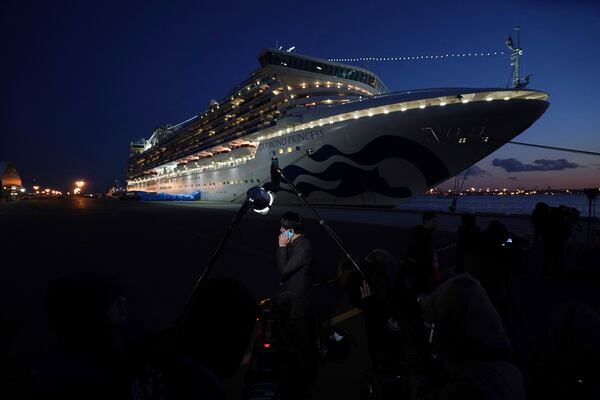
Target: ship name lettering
x=292, y=139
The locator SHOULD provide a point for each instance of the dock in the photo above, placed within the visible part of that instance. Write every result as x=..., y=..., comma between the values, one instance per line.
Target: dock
x=158, y=250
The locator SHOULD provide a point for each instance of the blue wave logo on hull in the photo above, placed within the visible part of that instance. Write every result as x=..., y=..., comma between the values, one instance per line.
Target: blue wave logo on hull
x=387, y=146
x=355, y=181
x=361, y=181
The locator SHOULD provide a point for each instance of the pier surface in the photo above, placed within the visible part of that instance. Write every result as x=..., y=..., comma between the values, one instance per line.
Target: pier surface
x=158, y=250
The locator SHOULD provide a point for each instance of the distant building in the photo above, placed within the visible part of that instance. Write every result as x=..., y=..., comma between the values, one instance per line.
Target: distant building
x=10, y=179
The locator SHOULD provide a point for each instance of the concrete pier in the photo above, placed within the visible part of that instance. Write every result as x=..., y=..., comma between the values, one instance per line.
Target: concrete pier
x=158, y=250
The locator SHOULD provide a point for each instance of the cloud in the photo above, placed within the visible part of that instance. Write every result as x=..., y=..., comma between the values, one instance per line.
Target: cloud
x=513, y=178
x=474, y=171
x=514, y=165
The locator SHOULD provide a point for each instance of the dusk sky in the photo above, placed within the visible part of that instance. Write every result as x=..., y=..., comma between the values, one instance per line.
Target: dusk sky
x=81, y=79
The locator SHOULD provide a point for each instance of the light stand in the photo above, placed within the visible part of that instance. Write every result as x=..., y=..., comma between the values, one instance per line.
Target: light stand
x=258, y=200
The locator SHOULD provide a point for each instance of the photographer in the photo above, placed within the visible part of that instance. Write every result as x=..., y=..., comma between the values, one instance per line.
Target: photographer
x=468, y=236
x=421, y=264
x=294, y=262
x=496, y=257
x=554, y=225
x=393, y=321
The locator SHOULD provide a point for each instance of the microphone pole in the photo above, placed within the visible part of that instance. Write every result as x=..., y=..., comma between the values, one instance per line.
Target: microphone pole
x=257, y=199
x=211, y=262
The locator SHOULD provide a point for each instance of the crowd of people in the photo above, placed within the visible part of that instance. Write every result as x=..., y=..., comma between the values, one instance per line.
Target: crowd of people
x=443, y=330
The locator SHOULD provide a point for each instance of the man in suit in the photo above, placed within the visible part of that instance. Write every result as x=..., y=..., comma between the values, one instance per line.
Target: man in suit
x=294, y=261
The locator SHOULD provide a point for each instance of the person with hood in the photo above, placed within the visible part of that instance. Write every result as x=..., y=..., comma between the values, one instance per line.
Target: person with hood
x=470, y=344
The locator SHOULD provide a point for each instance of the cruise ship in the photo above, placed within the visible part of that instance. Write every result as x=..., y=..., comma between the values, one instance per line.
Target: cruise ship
x=339, y=134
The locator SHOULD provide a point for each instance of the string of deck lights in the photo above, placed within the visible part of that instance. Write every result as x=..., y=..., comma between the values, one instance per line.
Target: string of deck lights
x=449, y=55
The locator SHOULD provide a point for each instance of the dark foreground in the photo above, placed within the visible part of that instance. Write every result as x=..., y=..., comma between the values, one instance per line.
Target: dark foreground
x=157, y=251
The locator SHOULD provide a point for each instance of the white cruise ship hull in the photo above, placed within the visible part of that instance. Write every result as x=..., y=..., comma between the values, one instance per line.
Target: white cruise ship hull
x=373, y=159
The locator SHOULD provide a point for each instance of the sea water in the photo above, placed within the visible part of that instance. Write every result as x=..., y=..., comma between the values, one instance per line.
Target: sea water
x=509, y=204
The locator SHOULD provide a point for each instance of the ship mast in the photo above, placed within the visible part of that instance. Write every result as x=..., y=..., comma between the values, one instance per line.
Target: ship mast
x=515, y=61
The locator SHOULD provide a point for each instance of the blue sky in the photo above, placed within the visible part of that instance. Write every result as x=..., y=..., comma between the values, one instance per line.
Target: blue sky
x=82, y=79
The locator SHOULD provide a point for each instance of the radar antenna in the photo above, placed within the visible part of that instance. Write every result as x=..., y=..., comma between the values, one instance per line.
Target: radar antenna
x=515, y=61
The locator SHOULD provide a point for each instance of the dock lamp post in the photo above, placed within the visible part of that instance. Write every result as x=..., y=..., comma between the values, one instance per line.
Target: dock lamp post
x=79, y=186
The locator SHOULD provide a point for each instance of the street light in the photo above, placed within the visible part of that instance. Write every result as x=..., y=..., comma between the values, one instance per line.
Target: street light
x=79, y=186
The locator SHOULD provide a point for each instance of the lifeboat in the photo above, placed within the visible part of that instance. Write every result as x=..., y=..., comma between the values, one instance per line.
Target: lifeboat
x=204, y=158
x=243, y=148
x=192, y=161
x=181, y=163
x=220, y=153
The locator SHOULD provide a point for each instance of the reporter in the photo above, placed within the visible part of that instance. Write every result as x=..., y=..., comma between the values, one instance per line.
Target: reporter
x=294, y=262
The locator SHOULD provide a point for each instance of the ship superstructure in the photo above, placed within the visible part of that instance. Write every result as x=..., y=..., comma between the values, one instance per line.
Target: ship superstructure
x=337, y=130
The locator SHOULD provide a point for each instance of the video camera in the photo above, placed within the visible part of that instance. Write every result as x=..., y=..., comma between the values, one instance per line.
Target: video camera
x=273, y=371
x=272, y=363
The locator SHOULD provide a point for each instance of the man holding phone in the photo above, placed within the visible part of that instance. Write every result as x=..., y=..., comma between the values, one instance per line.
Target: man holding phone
x=294, y=261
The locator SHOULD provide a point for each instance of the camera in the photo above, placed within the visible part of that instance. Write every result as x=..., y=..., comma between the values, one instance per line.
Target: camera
x=273, y=371
x=272, y=363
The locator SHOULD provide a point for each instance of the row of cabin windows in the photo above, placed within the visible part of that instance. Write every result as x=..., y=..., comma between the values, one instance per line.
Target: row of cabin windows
x=291, y=61
x=282, y=150
x=183, y=148
x=183, y=144
x=224, y=183
x=239, y=182
x=274, y=153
